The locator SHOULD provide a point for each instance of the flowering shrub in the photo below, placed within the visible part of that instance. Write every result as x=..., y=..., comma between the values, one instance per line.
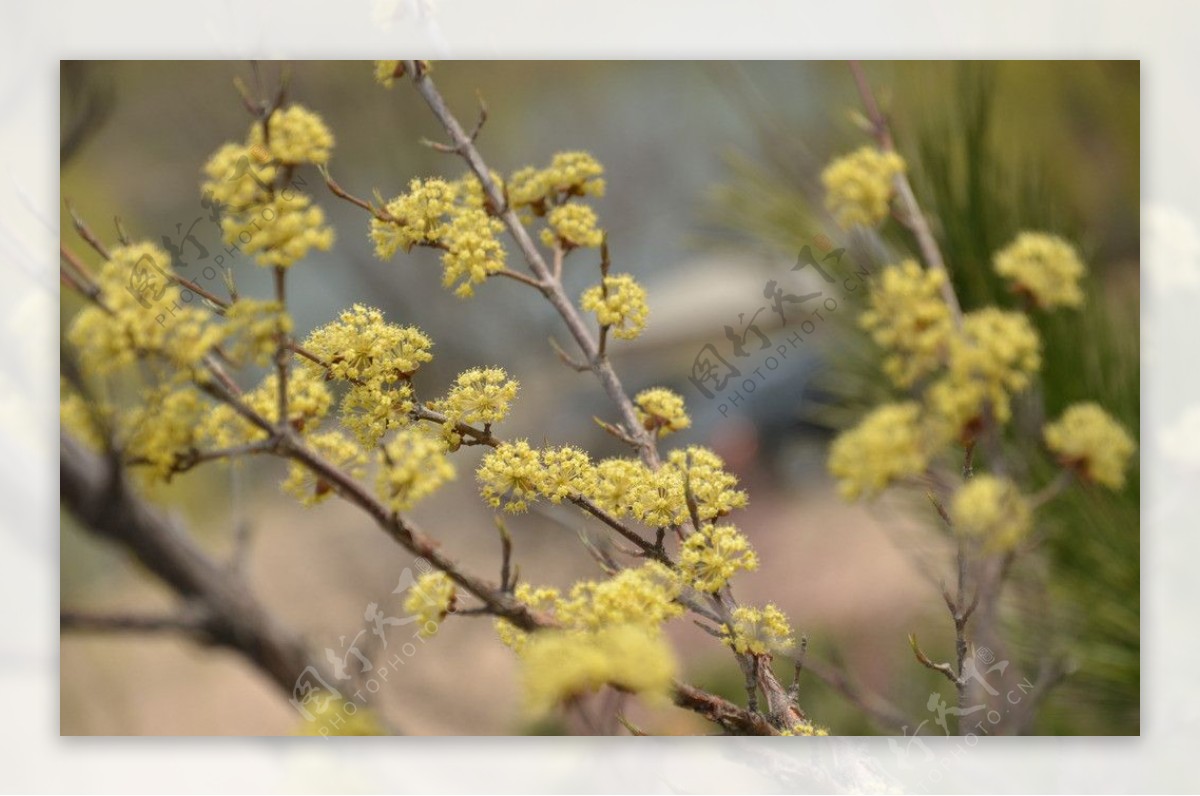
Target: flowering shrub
x=347, y=409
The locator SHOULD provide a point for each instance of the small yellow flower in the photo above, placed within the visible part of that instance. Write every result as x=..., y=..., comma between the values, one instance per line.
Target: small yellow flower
x=280, y=231
x=305, y=485
x=1044, y=267
x=994, y=357
x=253, y=329
x=643, y=596
x=539, y=598
x=430, y=599
x=662, y=411
x=713, y=489
x=336, y=716
x=309, y=402
x=884, y=447
x=619, y=303
x=659, y=500
x=239, y=177
x=572, y=225
x=385, y=72
x=806, y=728
x=616, y=484
x=569, y=174
x=909, y=319
x=416, y=218
x=479, y=395
x=1088, y=439
x=714, y=554
x=566, y=472
x=558, y=665
x=163, y=429
x=992, y=510
x=297, y=135
x=143, y=314
x=759, y=631
x=413, y=466
x=473, y=251
x=859, y=186
x=360, y=346
x=510, y=476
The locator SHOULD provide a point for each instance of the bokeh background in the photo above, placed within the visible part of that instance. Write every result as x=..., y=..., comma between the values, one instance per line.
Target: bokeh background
x=712, y=171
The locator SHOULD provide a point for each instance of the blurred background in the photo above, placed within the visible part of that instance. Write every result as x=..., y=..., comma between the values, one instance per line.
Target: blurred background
x=713, y=190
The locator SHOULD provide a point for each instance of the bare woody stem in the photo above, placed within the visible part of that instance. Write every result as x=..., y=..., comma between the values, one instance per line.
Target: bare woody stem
x=914, y=218
x=463, y=145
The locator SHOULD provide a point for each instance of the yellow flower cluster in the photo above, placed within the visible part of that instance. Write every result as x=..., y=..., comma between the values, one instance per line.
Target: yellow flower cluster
x=572, y=226
x=713, y=489
x=371, y=411
x=615, y=485
x=252, y=330
x=418, y=217
x=376, y=358
x=569, y=174
x=859, y=186
x=759, y=631
x=658, y=498
x=661, y=411
x=239, y=176
x=449, y=216
x=474, y=251
x=714, y=554
x=335, y=448
x=309, y=401
x=281, y=230
x=162, y=428
x=430, y=599
x=335, y=716
x=413, y=466
x=479, y=395
x=141, y=313
x=1088, y=439
x=87, y=421
x=295, y=135
x=566, y=471
x=385, y=72
x=806, y=728
x=992, y=510
x=1044, y=267
x=909, y=319
x=279, y=225
x=361, y=346
x=885, y=446
x=510, y=476
x=995, y=357
x=619, y=303
x=538, y=598
x=559, y=666
x=644, y=596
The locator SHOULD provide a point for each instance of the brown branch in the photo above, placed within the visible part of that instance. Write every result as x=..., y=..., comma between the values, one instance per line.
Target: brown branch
x=85, y=231
x=718, y=710
x=189, y=622
x=94, y=490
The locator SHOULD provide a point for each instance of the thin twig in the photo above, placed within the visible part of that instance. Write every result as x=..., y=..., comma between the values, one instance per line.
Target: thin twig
x=914, y=218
